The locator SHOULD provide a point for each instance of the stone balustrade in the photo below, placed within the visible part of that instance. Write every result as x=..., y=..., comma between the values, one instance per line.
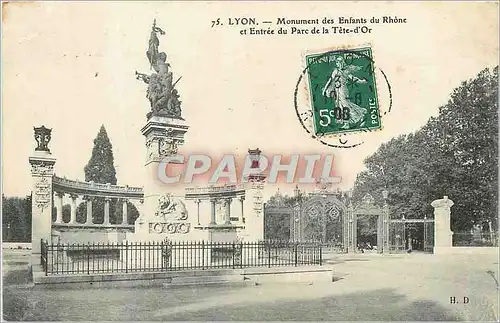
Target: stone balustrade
x=214, y=189
x=95, y=189
x=89, y=191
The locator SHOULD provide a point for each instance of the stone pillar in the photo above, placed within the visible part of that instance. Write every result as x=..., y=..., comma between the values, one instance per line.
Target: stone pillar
x=59, y=205
x=228, y=210
x=197, y=201
x=212, y=212
x=124, y=211
x=42, y=169
x=73, y=208
x=106, y=210
x=140, y=225
x=442, y=228
x=242, y=214
x=89, y=210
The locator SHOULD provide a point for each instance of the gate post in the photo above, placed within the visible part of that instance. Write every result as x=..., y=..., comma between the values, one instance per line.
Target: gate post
x=42, y=170
x=442, y=229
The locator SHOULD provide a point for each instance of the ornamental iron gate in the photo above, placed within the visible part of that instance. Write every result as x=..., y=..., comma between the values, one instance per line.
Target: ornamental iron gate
x=414, y=234
x=322, y=218
x=280, y=218
x=367, y=207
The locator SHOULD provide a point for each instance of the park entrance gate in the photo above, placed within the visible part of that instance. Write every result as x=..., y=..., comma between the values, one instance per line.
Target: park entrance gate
x=324, y=217
x=411, y=234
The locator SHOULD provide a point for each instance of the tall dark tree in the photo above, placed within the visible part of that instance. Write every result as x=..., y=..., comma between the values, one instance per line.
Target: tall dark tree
x=100, y=167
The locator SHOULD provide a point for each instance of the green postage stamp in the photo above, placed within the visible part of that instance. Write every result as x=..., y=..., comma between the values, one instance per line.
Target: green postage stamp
x=343, y=92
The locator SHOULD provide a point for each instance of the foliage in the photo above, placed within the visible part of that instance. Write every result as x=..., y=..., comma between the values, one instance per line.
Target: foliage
x=16, y=219
x=276, y=225
x=115, y=210
x=455, y=154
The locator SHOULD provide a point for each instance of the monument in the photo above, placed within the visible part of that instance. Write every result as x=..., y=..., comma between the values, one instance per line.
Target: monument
x=163, y=209
x=213, y=213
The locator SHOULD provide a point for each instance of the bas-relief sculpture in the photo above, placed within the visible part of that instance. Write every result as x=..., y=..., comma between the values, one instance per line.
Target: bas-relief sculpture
x=161, y=93
x=170, y=217
x=171, y=208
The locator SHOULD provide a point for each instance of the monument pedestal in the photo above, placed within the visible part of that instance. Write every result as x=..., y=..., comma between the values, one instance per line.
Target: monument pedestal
x=163, y=137
x=163, y=213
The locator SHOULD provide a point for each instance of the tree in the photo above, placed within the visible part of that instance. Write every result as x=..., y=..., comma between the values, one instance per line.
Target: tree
x=101, y=169
x=16, y=219
x=455, y=154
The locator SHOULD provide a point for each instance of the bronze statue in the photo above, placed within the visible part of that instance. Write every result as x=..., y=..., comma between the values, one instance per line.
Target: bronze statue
x=162, y=95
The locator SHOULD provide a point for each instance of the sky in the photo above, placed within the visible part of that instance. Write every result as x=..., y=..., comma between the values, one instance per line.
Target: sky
x=70, y=67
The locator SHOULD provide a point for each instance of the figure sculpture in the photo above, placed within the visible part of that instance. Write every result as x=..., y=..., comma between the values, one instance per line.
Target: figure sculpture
x=162, y=95
x=171, y=207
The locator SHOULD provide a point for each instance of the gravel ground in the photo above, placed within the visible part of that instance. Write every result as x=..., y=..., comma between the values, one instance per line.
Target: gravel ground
x=409, y=287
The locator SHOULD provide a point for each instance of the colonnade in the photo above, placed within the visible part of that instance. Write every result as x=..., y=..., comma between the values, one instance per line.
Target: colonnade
x=226, y=202
x=88, y=201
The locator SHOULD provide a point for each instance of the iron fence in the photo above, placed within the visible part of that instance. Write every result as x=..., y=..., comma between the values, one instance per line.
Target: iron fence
x=130, y=257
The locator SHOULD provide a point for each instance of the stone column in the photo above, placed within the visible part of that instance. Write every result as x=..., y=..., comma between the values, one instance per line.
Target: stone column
x=106, y=210
x=197, y=201
x=242, y=214
x=124, y=212
x=442, y=229
x=73, y=208
x=228, y=210
x=212, y=213
x=59, y=205
x=89, y=210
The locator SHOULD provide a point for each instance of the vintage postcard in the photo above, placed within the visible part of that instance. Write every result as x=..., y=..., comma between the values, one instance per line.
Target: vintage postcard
x=250, y=161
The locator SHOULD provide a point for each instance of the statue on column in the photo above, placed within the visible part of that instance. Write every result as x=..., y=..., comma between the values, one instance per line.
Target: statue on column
x=162, y=95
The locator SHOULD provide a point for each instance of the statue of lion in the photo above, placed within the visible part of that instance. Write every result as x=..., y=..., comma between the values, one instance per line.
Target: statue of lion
x=171, y=207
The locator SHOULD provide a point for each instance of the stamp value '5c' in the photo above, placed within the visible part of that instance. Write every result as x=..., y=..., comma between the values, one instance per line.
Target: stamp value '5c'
x=342, y=91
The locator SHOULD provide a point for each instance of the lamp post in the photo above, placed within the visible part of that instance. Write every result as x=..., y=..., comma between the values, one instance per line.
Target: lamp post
x=404, y=232
x=385, y=240
x=425, y=233
x=349, y=223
